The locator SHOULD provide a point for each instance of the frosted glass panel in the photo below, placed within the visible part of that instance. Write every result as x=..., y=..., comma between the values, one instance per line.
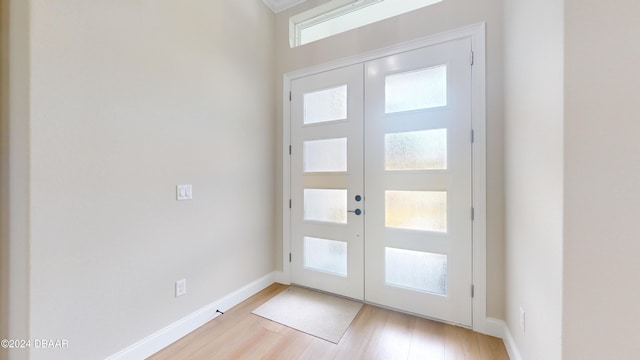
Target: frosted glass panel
x=416, y=210
x=325, y=205
x=422, y=89
x=325, y=105
x=325, y=255
x=417, y=150
x=328, y=155
x=416, y=270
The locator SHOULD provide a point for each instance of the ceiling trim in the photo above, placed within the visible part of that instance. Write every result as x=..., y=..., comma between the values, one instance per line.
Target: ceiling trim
x=280, y=5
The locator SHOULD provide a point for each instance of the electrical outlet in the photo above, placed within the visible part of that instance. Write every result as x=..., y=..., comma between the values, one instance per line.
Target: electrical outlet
x=181, y=287
x=522, y=318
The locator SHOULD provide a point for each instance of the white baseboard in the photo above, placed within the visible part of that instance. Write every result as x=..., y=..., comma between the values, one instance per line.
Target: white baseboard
x=494, y=327
x=165, y=337
x=499, y=328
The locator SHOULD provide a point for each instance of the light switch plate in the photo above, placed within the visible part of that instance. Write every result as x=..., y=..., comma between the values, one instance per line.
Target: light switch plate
x=184, y=192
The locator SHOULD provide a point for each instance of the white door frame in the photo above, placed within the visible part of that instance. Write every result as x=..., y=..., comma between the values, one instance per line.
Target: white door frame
x=478, y=119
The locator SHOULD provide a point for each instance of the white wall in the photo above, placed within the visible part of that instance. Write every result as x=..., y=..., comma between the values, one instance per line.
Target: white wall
x=14, y=165
x=602, y=178
x=4, y=176
x=448, y=15
x=533, y=59
x=128, y=99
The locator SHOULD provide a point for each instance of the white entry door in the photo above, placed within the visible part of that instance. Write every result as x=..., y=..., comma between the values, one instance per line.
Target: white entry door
x=418, y=181
x=327, y=217
x=381, y=180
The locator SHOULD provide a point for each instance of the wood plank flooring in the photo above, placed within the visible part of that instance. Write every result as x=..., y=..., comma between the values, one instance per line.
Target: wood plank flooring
x=375, y=333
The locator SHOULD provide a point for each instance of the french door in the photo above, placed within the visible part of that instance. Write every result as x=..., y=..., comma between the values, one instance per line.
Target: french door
x=381, y=181
x=326, y=177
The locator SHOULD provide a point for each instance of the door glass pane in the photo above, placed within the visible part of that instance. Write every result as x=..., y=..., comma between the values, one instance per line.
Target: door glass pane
x=325, y=255
x=327, y=205
x=416, y=150
x=416, y=210
x=325, y=105
x=416, y=270
x=328, y=155
x=421, y=89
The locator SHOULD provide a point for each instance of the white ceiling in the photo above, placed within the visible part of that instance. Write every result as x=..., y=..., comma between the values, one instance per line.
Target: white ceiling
x=280, y=5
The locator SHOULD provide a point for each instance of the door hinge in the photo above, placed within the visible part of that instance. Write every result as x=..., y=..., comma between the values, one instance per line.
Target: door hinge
x=471, y=60
x=473, y=214
x=289, y=203
x=289, y=95
x=289, y=149
x=473, y=291
x=473, y=136
x=289, y=257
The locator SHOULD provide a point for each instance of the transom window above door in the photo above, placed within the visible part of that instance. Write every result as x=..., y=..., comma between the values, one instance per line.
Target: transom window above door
x=338, y=16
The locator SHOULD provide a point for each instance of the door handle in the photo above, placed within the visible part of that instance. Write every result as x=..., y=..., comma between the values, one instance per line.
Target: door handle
x=356, y=211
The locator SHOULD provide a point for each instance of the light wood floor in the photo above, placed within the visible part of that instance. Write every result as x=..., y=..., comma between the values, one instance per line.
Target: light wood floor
x=374, y=334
